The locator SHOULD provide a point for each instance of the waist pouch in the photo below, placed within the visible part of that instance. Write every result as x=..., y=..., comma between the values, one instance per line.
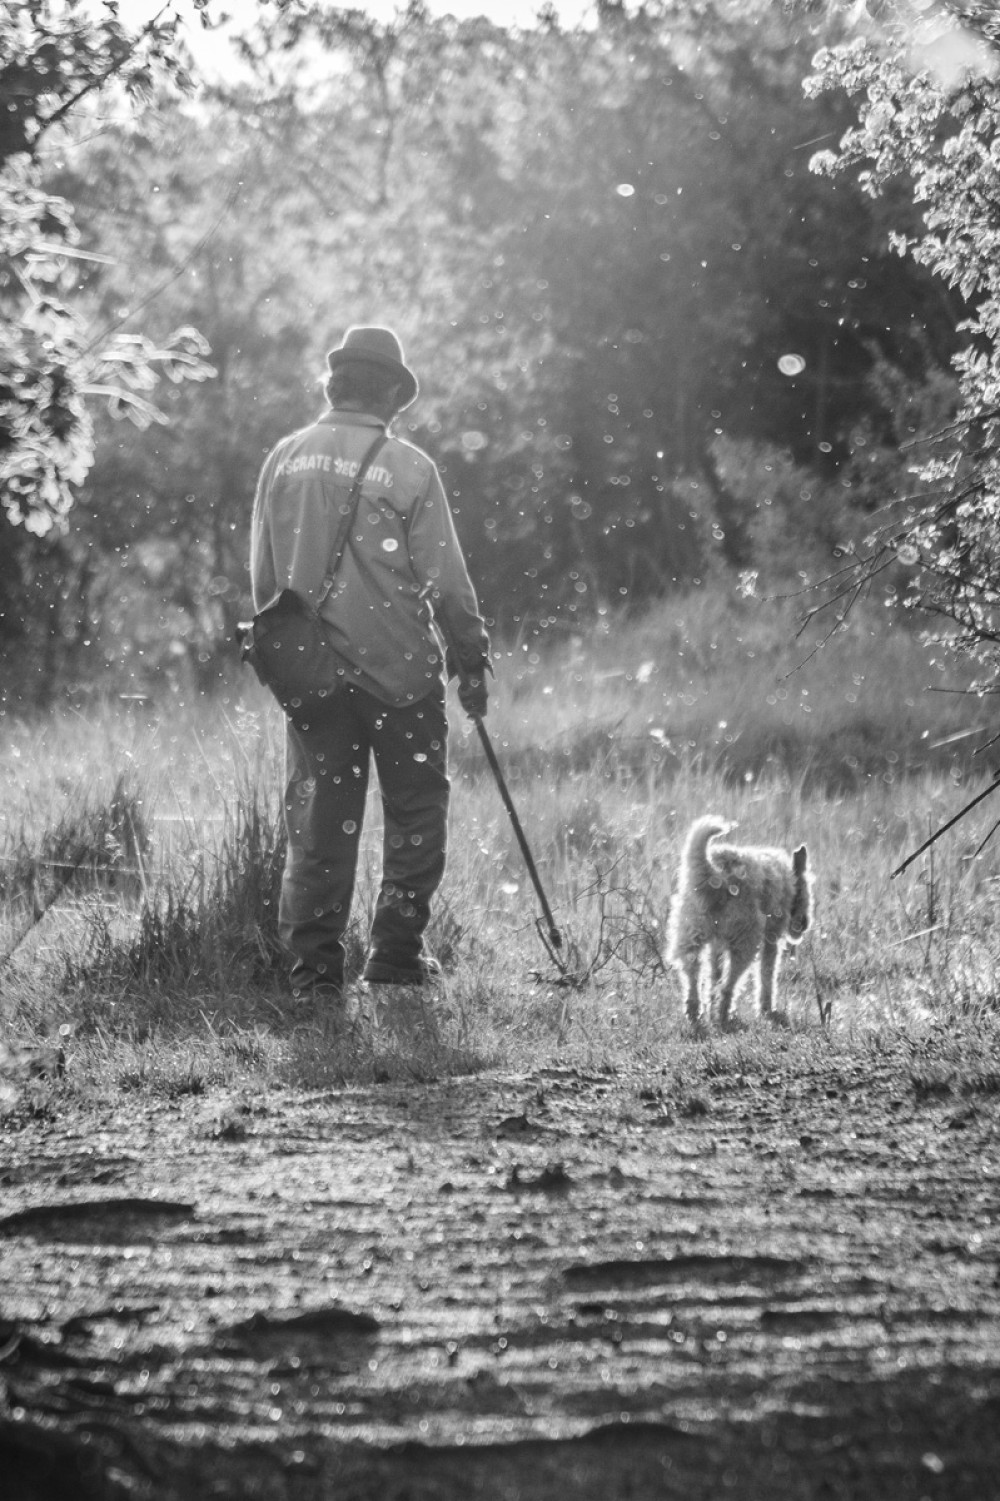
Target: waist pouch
x=290, y=648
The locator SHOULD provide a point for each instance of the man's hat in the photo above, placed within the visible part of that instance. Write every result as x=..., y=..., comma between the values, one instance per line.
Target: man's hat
x=378, y=346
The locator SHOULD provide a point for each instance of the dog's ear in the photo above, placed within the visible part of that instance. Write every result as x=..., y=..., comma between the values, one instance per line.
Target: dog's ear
x=799, y=860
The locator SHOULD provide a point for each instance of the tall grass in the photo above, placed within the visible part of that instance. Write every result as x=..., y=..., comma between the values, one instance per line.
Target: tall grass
x=170, y=975
x=729, y=685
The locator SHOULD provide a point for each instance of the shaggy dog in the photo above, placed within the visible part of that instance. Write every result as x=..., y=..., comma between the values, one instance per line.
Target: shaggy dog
x=739, y=904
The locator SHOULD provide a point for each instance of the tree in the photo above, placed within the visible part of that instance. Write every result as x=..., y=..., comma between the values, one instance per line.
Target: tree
x=55, y=60
x=602, y=241
x=942, y=136
x=154, y=555
x=596, y=245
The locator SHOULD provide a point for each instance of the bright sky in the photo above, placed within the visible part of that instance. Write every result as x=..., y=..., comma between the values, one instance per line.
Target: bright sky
x=211, y=48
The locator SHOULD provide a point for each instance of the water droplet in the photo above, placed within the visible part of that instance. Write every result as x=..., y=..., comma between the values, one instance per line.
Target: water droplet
x=420, y=756
x=625, y=190
x=389, y=544
x=349, y=826
x=791, y=364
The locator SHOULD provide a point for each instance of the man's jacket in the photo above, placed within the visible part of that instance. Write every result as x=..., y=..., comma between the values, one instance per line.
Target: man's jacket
x=401, y=563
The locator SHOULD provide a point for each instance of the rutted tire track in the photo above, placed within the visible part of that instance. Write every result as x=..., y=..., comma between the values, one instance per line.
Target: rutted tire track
x=481, y=1267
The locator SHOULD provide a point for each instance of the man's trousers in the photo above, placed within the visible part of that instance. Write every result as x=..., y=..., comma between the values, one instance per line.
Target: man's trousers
x=327, y=765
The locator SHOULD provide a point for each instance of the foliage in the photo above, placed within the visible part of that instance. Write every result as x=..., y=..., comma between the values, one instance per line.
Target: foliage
x=54, y=58
x=157, y=542
x=594, y=319
x=597, y=245
x=912, y=23
x=942, y=137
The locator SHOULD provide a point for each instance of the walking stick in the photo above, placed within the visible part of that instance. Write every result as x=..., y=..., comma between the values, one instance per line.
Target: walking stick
x=553, y=939
x=554, y=935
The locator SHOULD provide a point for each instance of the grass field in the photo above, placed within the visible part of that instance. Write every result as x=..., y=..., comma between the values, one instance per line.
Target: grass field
x=530, y=1226
x=142, y=854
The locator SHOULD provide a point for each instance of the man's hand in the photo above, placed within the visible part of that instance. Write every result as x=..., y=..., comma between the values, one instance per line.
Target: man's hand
x=471, y=673
x=472, y=694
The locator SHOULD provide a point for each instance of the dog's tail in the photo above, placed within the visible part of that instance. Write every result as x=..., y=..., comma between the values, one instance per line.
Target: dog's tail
x=695, y=859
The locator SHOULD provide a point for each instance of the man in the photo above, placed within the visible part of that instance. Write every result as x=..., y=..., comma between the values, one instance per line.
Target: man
x=400, y=563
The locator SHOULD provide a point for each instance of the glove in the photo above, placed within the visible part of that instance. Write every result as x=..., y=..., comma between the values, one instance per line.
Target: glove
x=472, y=694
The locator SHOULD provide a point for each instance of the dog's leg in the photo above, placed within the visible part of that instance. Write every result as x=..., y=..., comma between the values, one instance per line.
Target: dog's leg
x=717, y=957
x=689, y=968
x=770, y=954
x=740, y=959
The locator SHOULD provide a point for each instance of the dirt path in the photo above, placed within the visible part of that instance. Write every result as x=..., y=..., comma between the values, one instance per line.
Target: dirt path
x=565, y=1285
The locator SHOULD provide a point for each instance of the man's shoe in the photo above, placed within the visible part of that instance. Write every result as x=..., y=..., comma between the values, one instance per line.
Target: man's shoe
x=423, y=970
x=312, y=1000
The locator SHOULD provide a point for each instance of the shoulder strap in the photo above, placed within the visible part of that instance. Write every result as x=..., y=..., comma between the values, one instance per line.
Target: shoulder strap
x=348, y=513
